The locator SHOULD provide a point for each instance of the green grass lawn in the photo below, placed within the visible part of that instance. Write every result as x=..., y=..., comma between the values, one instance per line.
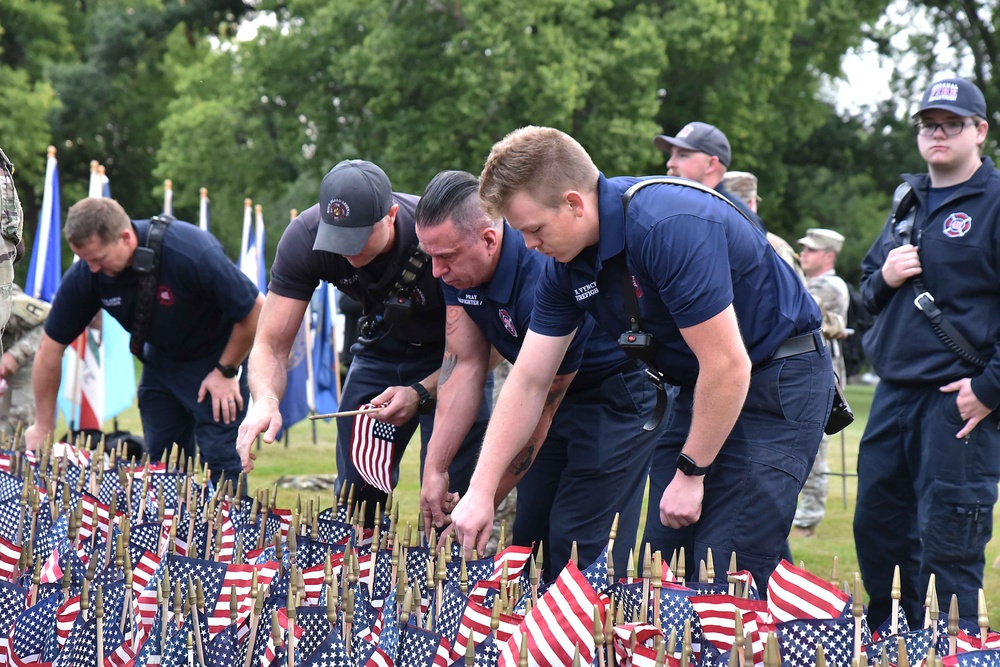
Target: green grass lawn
x=834, y=537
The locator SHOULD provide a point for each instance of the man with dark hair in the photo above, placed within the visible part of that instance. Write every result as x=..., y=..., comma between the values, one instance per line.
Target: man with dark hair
x=202, y=314
x=590, y=452
x=360, y=238
x=929, y=460
x=682, y=279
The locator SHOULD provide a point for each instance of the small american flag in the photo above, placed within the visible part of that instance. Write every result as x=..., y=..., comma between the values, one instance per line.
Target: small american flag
x=793, y=593
x=10, y=553
x=372, y=448
x=561, y=622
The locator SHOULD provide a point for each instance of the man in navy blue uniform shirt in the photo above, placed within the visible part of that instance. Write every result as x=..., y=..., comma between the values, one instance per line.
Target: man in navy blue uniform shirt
x=732, y=326
x=929, y=461
x=591, y=455
x=204, y=315
x=360, y=238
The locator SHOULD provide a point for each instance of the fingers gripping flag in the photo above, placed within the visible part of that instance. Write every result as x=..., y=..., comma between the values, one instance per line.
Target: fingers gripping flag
x=372, y=449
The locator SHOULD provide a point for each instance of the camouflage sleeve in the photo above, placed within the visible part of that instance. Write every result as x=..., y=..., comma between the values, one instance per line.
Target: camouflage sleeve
x=10, y=206
x=830, y=292
x=24, y=349
x=27, y=323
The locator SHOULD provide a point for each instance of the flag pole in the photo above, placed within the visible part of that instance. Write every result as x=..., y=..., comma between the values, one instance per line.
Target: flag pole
x=203, y=208
x=333, y=343
x=168, y=197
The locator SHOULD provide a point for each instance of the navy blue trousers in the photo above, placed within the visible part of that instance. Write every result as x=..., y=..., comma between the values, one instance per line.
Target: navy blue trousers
x=393, y=363
x=593, y=464
x=170, y=412
x=752, y=488
x=925, y=500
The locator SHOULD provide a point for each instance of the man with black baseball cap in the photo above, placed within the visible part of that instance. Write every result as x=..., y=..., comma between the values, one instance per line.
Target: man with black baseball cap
x=700, y=152
x=360, y=237
x=929, y=460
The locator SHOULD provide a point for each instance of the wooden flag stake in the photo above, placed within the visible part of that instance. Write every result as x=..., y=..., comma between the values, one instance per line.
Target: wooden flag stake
x=857, y=611
x=895, y=593
x=984, y=619
x=953, y=625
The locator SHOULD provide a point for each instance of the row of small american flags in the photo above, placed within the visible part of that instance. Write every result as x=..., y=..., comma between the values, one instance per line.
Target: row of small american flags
x=116, y=563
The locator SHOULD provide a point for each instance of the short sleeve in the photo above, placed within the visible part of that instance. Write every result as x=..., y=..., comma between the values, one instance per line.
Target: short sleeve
x=555, y=312
x=74, y=306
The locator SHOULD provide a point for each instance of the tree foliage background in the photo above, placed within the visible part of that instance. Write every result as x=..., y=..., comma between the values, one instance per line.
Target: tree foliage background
x=158, y=89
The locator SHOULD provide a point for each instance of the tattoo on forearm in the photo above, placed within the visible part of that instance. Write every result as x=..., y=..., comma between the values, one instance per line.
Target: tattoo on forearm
x=447, y=366
x=555, y=397
x=523, y=460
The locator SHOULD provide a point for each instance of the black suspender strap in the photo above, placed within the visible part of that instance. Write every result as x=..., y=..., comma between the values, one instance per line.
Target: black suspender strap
x=146, y=262
x=674, y=180
x=902, y=222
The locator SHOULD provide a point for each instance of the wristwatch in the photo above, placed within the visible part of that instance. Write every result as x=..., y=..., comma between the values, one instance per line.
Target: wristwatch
x=687, y=466
x=228, y=372
x=427, y=402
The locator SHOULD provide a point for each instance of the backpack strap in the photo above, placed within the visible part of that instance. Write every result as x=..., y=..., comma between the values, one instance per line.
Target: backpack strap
x=902, y=221
x=146, y=262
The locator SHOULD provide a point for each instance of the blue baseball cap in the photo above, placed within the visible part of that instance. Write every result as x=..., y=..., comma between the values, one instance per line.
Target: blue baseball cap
x=353, y=196
x=959, y=96
x=700, y=137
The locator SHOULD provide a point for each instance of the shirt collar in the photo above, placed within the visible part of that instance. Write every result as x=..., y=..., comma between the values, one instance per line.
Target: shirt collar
x=501, y=285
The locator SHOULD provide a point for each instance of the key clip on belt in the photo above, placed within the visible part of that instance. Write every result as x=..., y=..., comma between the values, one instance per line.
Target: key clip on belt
x=661, y=401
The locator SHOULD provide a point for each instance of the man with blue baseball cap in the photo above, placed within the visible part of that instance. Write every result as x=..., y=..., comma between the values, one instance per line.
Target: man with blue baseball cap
x=929, y=460
x=360, y=238
x=700, y=152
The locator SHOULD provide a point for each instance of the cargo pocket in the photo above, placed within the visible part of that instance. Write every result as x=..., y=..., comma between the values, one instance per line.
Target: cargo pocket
x=960, y=521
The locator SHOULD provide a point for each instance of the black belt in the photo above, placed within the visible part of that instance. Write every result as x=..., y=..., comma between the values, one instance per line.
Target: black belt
x=807, y=342
x=589, y=381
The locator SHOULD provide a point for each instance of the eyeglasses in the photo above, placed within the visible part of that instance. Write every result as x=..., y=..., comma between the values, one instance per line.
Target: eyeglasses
x=949, y=127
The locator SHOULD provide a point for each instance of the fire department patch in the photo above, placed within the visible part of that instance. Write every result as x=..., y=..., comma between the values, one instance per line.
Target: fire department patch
x=508, y=322
x=338, y=209
x=957, y=224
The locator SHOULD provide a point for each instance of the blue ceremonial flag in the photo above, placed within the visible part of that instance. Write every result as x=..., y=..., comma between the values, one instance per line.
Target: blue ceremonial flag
x=252, y=248
x=294, y=405
x=45, y=270
x=324, y=361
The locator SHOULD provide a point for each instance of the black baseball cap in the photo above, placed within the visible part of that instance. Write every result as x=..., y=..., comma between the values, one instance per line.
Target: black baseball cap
x=353, y=196
x=959, y=96
x=698, y=136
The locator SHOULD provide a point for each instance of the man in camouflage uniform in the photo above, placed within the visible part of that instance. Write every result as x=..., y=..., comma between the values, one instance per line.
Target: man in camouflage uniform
x=20, y=340
x=10, y=235
x=820, y=248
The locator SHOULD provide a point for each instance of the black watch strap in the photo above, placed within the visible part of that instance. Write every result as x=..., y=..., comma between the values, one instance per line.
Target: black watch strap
x=227, y=371
x=426, y=404
x=687, y=466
